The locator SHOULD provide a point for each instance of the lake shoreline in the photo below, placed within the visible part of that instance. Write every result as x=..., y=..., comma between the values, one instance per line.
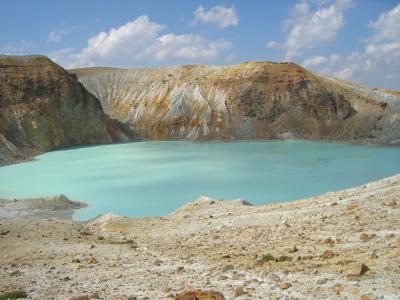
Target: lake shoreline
x=31, y=157
x=59, y=207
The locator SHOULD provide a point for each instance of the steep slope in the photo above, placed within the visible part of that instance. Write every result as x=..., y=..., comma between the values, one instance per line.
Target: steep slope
x=262, y=100
x=43, y=107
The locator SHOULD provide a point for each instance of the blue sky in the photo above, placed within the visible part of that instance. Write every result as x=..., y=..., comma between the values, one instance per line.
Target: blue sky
x=357, y=40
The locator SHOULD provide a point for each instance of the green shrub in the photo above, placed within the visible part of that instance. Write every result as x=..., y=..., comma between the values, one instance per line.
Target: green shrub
x=13, y=295
x=132, y=243
x=269, y=257
x=283, y=258
x=15, y=273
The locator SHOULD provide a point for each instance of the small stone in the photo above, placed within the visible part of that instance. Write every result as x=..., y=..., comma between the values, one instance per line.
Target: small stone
x=94, y=296
x=81, y=297
x=92, y=246
x=274, y=277
x=76, y=260
x=352, y=206
x=366, y=237
x=4, y=232
x=390, y=236
x=264, y=274
x=293, y=250
x=327, y=254
x=322, y=281
x=227, y=268
x=167, y=290
x=203, y=295
x=180, y=269
x=358, y=271
x=284, y=285
x=92, y=260
x=368, y=297
x=239, y=291
x=337, y=288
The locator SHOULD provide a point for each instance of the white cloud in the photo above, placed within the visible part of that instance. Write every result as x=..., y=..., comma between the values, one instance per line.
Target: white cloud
x=273, y=45
x=345, y=73
x=141, y=40
x=310, y=27
x=387, y=27
x=314, y=61
x=319, y=60
x=185, y=46
x=221, y=16
x=19, y=48
x=54, y=37
x=378, y=64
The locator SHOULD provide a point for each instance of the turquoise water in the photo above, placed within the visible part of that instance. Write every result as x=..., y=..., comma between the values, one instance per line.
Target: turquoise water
x=155, y=178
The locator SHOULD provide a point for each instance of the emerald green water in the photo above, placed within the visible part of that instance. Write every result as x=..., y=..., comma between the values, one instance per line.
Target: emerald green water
x=155, y=178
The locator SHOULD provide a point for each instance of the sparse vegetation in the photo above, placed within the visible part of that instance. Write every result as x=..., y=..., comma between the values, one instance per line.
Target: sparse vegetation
x=13, y=295
x=283, y=258
x=85, y=233
x=269, y=257
x=132, y=243
x=15, y=273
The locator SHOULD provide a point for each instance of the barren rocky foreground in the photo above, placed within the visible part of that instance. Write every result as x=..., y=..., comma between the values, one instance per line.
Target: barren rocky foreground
x=342, y=245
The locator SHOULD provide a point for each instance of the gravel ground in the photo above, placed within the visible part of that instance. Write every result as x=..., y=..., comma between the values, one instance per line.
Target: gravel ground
x=342, y=245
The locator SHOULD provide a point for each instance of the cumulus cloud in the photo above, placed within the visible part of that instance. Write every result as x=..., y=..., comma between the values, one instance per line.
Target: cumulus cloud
x=387, y=27
x=140, y=40
x=309, y=26
x=221, y=16
x=319, y=60
x=314, y=61
x=378, y=64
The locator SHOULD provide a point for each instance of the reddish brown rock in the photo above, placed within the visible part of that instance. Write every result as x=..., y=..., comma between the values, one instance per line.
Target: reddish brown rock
x=284, y=285
x=328, y=254
x=200, y=295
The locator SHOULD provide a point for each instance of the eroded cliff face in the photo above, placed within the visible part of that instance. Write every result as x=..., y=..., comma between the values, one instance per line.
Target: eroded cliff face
x=247, y=101
x=43, y=107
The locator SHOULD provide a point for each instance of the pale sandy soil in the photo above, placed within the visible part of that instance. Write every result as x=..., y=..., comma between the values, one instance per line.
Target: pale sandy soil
x=210, y=245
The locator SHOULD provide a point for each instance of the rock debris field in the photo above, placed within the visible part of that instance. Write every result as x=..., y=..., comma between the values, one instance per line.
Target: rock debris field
x=340, y=245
